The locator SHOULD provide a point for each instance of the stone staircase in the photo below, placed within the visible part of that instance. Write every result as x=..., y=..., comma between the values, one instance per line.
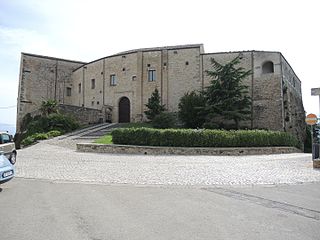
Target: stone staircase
x=90, y=133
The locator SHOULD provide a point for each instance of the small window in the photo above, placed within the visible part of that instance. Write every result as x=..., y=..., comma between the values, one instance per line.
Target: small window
x=268, y=67
x=175, y=52
x=123, y=69
x=113, y=80
x=79, y=87
x=93, y=83
x=164, y=64
x=68, y=91
x=187, y=63
x=151, y=75
x=92, y=103
x=148, y=65
x=134, y=78
x=98, y=102
x=123, y=56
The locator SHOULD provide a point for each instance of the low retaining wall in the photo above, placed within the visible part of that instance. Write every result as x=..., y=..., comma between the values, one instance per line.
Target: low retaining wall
x=130, y=149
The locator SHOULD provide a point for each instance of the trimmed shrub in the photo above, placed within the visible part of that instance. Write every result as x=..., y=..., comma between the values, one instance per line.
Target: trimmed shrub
x=54, y=121
x=202, y=138
x=62, y=123
x=40, y=136
x=27, y=141
x=54, y=133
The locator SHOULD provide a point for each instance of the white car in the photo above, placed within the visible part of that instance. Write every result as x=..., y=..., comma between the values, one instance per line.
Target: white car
x=6, y=169
x=7, y=146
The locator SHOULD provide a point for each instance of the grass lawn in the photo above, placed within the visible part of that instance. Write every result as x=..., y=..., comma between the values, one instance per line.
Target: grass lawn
x=107, y=139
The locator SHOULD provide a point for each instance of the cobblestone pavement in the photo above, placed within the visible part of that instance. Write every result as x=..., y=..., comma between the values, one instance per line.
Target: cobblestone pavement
x=54, y=160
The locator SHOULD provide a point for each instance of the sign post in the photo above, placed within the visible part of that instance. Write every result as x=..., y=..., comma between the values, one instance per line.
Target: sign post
x=316, y=92
x=312, y=120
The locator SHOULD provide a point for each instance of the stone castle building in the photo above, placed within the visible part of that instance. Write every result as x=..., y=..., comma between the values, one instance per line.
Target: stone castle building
x=117, y=87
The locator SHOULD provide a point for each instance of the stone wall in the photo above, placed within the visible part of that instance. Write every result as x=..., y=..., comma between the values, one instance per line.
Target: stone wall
x=83, y=115
x=266, y=94
x=223, y=58
x=130, y=149
x=177, y=72
x=293, y=110
x=42, y=78
x=276, y=95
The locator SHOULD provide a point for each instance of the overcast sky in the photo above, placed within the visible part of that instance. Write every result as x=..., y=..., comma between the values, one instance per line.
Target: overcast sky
x=86, y=30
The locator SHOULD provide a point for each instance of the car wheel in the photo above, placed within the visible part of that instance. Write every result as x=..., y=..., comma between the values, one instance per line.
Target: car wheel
x=13, y=158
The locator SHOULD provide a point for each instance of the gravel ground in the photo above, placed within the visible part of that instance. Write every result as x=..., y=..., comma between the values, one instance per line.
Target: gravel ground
x=54, y=160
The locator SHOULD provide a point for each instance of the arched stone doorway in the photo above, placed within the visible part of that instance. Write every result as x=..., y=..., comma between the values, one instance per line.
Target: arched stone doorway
x=124, y=110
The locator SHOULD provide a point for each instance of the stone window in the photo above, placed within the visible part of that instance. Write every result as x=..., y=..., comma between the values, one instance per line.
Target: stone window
x=175, y=52
x=151, y=75
x=79, y=87
x=68, y=91
x=148, y=65
x=98, y=102
x=113, y=80
x=123, y=69
x=187, y=63
x=134, y=78
x=268, y=67
x=93, y=83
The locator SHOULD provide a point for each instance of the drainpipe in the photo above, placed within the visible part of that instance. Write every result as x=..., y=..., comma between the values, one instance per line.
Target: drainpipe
x=83, y=88
x=104, y=79
x=252, y=85
x=55, y=81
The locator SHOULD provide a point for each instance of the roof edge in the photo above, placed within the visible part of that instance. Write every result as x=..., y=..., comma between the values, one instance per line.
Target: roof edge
x=52, y=58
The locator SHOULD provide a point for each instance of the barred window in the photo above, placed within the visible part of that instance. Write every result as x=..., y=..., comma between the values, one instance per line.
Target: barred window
x=151, y=75
x=68, y=91
x=113, y=80
x=93, y=83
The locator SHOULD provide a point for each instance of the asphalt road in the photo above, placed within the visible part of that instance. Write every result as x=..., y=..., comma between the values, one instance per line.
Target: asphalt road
x=41, y=209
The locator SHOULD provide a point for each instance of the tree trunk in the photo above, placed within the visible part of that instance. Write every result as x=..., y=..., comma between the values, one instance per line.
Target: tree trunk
x=237, y=123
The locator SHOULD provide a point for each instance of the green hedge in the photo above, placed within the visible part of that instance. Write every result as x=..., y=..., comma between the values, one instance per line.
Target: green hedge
x=202, y=138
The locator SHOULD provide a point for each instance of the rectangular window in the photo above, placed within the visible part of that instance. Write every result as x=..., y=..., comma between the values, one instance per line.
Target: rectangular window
x=79, y=87
x=113, y=80
x=93, y=83
x=68, y=91
x=151, y=75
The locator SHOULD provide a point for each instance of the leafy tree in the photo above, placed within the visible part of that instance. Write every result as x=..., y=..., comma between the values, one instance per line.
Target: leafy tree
x=227, y=97
x=164, y=120
x=191, y=109
x=154, y=105
x=48, y=107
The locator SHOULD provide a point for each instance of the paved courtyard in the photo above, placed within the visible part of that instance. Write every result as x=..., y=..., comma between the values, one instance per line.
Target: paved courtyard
x=58, y=160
